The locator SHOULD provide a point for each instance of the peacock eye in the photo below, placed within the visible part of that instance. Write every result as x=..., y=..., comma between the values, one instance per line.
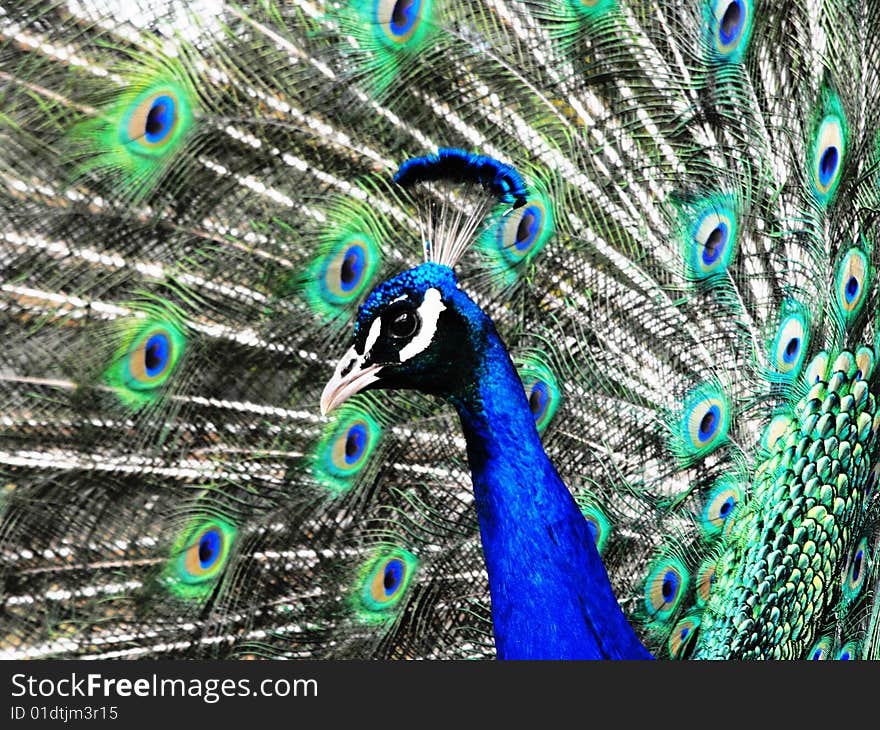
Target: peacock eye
x=206, y=553
x=682, y=637
x=821, y=649
x=385, y=581
x=403, y=324
x=155, y=121
x=789, y=347
x=710, y=241
x=666, y=585
x=719, y=506
x=160, y=117
x=829, y=150
x=856, y=570
x=400, y=20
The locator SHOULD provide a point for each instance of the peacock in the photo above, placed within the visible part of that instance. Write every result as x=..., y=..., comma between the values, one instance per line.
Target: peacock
x=416, y=329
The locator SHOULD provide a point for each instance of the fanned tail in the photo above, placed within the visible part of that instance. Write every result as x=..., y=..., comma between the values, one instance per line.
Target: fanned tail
x=192, y=207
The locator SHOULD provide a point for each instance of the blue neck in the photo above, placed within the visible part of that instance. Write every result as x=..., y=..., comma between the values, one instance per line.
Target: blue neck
x=551, y=598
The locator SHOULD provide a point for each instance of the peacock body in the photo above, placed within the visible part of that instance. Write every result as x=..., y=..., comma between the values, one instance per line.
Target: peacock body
x=197, y=202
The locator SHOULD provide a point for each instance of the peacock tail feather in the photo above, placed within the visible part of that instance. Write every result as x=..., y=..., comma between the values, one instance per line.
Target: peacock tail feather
x=195, y=198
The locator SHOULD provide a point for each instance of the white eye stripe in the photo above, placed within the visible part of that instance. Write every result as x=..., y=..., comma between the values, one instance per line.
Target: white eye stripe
x=358, y=359
x=429, y=312
x=373, y=335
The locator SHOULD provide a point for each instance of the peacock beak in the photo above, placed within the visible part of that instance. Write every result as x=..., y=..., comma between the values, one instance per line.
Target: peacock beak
x=351, y=377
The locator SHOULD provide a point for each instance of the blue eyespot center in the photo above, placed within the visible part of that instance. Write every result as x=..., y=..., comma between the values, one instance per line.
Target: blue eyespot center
x=160, y=119
x=726, y=507
x=709, y=423
x=731, y=22
x=352, y=268
x=852, y=289
x=355, y=443
x=792, y=348
x=209, y=549
x=684, y=632
x=845, y=656
x=670, y=586
x=538, y=400
x=857, y=566
x=715, y=243
x=817, y=654
x=392, y=577
x=404, y=16
x=828, y=165
x=156, y=354
x=528, y=228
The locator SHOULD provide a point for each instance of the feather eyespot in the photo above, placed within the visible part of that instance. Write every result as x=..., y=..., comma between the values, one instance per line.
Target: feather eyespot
x=847, y=652
x=820, y=650
x=731, y=22
x=388, y=580
x=346, y=448
x=385, y=581
x=351, y=446
x=147, y=360
x=706, y=421
x=524, y=231
x=542, y=392
x=542, y=397
x=153, y=122
x=590, y=9
x=791, y=351
x=720, y=505
x=710, y=237
x=598, y=526
x=151, y=359
x=715, y=242
x=400, y=19
x=817, y=370
x=828, y=153
x=681, y=639
x=775, y=430
x=513, y=238
x=790, y=344
x=134, y=141
x=347, y=269
x=538, y=400
x=706, y=581
x=202, y=555
x=852, y=275
x=864, y=363
x=856, y=571
x=160, y=119
x=665, y=588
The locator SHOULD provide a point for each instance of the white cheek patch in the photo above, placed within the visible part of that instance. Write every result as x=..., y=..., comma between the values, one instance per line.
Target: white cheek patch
x=429, y=312
x=357, y=359
x=372, y=335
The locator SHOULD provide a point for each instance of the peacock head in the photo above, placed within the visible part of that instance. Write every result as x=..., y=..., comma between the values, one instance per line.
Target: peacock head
x=412, y=332
x=419, y=330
